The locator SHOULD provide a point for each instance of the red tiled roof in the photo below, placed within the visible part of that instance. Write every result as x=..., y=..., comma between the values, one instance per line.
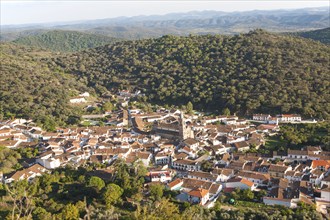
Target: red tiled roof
x=247, y=182
x=198, y=192
x=317, y=163
x=174, y=183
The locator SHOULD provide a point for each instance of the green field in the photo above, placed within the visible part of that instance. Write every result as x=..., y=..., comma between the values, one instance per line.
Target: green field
x=275, y=143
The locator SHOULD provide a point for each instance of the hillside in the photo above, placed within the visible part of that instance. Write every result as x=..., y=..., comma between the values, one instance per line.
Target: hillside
x=30, y=89
x=8, y=35
x=322, y=35
x=254, y=72
x=64, y=41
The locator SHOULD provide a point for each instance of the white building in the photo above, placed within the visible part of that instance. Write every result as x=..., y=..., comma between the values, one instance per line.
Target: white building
x=241, y=183
x=163, y=176
x=276, y=201
x=187, y=165
x=198, y=196
x=288, y=118
x=49, y=163
x=78, y=100
x=261, y=117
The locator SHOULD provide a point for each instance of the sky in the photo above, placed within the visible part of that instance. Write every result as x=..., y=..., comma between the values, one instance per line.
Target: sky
x=45, y=11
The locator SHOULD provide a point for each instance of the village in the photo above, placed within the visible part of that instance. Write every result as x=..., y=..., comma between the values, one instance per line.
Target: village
x=198, y=156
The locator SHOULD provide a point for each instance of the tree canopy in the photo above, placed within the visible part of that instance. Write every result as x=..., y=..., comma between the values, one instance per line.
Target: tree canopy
x=257, y=72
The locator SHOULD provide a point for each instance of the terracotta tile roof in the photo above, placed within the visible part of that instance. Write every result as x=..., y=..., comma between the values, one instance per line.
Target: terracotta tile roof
x=185, y=162
x=143, y=155
x=201, y=174
x=181, y=155
x=190, y=141
x=214, y=188
x=254, y=175
x=200, y=193
x=242, y=180
x=297, y=152
x=277, y=168
x=247, y=182
x=175, y=182
x=242, y=144
x=194, y=183
x=26, y=173
x=223, y=171
x=318, y=163
x=187, y=149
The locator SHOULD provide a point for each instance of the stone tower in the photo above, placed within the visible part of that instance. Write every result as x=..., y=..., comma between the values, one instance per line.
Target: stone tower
x=184, y=130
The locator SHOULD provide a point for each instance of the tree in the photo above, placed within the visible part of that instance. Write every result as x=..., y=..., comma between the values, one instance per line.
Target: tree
x=49, y=123
x=21, y=195
x=207, y=166
x=96, y=182
x=40, y=214
x=247, y=194
x=197, y=212
x=226, y=111
x=108, y=214
x=112, y=194
x=156, y=191
x=108, y=106
x=159, y=210
x=74, y=119
x=140, y=169
x=70, y=212
x=189, y=107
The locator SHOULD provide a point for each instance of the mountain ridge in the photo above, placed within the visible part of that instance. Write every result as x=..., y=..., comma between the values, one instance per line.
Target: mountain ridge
x=197, y=22
x=64, y=41
x=254, y=72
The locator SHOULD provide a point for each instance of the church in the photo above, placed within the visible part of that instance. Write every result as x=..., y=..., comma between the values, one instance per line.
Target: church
x=175, y=130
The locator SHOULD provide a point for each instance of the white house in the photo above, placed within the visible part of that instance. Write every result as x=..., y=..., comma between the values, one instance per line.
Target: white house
x=224, y=174
x=316, y=177
x=145, y=157
x=191, y=143
x=276, y=201
x=299, y=155
x=261, y=117
x=50, y=162
x=162, y=158
x=255, y=177
x=175, y=184
x=288, y=117
x=198, y=196
x=241, y=183
x=185, y=164
x=85, y=94
x=28, y=173
x=163, y=176
x=78, y=99
x=199, y=175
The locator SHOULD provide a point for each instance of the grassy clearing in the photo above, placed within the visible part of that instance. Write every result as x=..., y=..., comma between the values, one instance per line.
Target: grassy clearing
x=274, y=143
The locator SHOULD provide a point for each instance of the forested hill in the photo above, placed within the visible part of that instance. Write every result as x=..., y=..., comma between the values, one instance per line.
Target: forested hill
x=30, y=89
x=64, y=41
x=322, y=35
x=254, y=72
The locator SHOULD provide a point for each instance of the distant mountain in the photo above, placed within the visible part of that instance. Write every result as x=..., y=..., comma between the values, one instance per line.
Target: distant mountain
x=12, y=34
x=64, y=41
x=196, y=22
x=322, y=35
